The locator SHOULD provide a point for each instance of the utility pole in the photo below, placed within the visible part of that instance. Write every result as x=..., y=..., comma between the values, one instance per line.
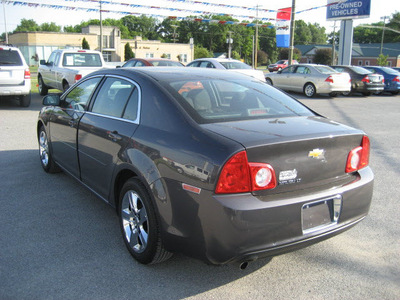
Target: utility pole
x=101, y=29
x=174, y=34
x=383, y=31
x=334, y=44
x=291, y=47
x=5, y=22
x=229, y=42
x=256, y=45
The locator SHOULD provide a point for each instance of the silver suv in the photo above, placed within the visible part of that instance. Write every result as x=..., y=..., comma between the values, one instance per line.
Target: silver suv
x=15, y=76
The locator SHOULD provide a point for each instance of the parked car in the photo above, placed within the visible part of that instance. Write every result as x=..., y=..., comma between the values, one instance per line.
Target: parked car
x=15, y=76
x=280, y=64
x=362, y=80
x=152, y=62
x=227, y=64
x=267, y=176
x=65, y=67
x=310, y=79
x=396, y=69
x=392, y=78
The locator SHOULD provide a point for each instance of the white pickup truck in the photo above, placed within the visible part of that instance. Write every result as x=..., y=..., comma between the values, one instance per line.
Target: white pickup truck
x=65, y=67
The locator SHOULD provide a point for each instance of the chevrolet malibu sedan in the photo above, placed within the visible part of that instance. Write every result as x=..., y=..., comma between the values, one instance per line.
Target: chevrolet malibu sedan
x=212, y=164
x=310, y=79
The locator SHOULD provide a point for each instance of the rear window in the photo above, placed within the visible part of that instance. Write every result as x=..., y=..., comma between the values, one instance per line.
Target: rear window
x=235, y=65
x=218, y=100
x=361, y=70
x=325, y=69
x=10, y=58
x=166, y=63
x=81, y=60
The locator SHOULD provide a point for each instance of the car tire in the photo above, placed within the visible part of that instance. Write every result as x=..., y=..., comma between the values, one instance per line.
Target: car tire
x=25, y=100
x=43, y=89
x=139, y=225
x=333, y=94
x=366, y=94
x=268, y=81
x=347, y=94
x=309, y=90
x=395, y=93
x=65, y=86
x=46, y=158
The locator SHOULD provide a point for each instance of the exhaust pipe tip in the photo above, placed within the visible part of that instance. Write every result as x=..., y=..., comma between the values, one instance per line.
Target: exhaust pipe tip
x=243, y=265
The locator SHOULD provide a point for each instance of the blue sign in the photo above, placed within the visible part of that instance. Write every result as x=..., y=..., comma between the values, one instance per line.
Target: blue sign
x=349, y=9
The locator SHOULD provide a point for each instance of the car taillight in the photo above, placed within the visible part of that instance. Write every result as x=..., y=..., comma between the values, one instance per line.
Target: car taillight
x=78, y=77
x=396, y=79
x=358, y=158
x=366, y=79
x=27, y=74
x=329, y=79
x=240, y=176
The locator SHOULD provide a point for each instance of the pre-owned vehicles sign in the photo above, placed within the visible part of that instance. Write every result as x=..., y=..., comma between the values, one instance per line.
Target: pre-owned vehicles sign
x=350, y=9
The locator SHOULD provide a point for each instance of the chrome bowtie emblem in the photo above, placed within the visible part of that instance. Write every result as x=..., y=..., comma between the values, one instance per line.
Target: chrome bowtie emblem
x=317, y=153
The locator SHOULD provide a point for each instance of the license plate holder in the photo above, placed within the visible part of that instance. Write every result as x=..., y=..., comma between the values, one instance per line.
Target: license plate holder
x=320, y=214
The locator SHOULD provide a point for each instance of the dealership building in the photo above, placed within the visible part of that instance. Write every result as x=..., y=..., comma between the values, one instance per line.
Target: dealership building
x=38, y=45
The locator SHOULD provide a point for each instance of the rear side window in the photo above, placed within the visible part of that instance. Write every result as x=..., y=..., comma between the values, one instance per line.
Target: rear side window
x=10, y=58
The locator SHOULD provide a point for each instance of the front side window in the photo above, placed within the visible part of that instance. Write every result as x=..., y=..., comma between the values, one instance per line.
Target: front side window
x=113, y=98
x=79, y=96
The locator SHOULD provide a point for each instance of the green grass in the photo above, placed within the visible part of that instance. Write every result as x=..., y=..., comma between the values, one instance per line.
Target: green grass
x=34, y=82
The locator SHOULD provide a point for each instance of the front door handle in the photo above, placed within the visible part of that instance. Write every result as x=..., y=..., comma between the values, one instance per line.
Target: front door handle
x=114, y=136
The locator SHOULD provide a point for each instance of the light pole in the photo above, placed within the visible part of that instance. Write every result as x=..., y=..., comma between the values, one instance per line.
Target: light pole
x=290, y=58
x=383, y=31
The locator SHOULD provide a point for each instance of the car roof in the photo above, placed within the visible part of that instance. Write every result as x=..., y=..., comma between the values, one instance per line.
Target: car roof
x=175, y=73
x=217, y=59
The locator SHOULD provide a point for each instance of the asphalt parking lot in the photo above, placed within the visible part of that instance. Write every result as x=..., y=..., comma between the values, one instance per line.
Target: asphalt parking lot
x=58, y=241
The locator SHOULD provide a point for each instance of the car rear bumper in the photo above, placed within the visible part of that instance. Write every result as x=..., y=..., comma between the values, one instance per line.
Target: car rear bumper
x=242, y=227
x=326, y=88
x=16, y=90
x=367, y=87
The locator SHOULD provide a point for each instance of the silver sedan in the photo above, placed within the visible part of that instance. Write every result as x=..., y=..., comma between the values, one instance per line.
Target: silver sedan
x=310, y=79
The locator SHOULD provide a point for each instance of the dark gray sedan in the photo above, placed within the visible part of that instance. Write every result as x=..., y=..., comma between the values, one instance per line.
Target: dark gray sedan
x=213, y=164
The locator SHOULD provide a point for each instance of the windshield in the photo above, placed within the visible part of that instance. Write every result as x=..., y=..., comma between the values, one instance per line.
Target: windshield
x=81, y=60
x=218, y=100
x=234, y=65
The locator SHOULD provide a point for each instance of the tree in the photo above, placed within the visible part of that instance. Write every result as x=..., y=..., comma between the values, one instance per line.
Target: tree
x=323, y=56
x=128, y=52
x=201, y=52
x=262, y=57
x=143, y=26
x=85, y=44
x=382, y=60
x=27, y=25
x=52, y=27
x=284, y=53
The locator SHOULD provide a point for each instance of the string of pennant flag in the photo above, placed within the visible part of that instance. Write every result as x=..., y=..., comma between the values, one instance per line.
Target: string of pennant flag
x=167, y=11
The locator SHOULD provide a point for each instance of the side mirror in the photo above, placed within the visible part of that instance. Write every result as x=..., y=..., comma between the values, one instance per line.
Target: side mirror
x=51, y=100
x=42, y=62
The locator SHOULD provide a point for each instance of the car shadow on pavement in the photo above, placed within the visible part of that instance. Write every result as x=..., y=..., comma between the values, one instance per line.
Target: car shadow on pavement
x=60, y=241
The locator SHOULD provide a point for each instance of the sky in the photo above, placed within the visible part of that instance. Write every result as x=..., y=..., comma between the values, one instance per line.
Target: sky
x=57, y=10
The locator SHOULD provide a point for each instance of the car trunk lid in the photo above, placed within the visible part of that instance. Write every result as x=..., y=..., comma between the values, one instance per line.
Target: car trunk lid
x=305, y=152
